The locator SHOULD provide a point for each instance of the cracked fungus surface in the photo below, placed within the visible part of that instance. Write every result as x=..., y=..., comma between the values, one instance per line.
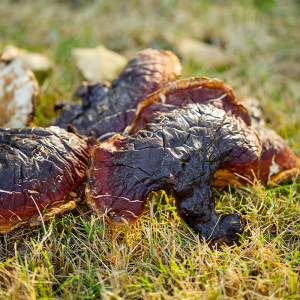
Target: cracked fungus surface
x=179, y=152
x=109, y=110
x=41, y=170
x=276, y=163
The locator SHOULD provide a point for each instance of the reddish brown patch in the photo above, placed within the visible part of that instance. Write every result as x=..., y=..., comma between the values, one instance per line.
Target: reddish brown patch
x=276, y=164
x=187, y=91
x=42, y=172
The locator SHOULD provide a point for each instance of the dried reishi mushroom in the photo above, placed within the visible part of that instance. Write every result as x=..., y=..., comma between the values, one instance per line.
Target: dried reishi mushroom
x=18, y=93
x=41, y=174
x=276, y=163
x=109, y=110
x=179, y=152
x=187, y=91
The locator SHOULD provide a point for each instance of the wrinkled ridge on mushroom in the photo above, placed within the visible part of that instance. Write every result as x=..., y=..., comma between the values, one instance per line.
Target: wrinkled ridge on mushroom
x=108, y=110
x=276, y=163
x=18, y=93
x=42, y=171
x=187, y=91
x=179, y=152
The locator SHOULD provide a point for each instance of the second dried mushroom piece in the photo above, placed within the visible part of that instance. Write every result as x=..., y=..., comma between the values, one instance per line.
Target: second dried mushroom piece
x=107, y=110
x=179, y=152
x=42, y=174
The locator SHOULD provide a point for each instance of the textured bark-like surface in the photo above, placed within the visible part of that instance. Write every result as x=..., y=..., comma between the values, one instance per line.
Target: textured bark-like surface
x=188, y=91
x=41, y=174
x=180, y=152
x=18, y=93
x=276, y=163
x=106, y=111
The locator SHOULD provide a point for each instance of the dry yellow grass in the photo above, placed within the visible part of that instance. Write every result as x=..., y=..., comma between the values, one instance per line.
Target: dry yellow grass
x=78, y=256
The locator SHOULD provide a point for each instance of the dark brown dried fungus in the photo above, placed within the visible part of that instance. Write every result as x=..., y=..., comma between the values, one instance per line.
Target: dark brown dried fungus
x=108, y=110
x=42, y=171
x=276, y=163
x=180, y=153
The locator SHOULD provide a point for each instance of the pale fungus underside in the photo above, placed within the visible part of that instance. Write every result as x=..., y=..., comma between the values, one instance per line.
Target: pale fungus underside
x=18, y=93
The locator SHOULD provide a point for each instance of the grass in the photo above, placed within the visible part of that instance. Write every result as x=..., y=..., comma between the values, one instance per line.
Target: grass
x=79, y=256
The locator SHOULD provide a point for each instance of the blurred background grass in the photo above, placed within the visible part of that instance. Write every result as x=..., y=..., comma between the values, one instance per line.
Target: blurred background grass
x=159, y=257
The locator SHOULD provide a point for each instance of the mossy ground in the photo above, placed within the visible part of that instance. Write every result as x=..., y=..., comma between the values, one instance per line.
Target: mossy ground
x=79, y=256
